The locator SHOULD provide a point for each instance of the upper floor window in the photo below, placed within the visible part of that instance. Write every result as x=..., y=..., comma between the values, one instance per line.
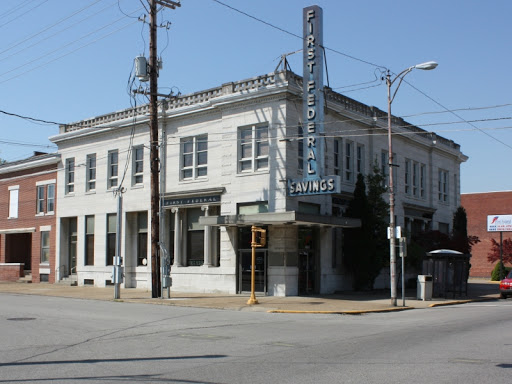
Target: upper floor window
x=70, y=175
x=113, y=168
x=349, y=161
x=13, y=201
x=415, y=179
x=45, y=197
x=138, y=165
x=384, y=167
x=338, y=161
x=194, y=157
x=360, y=159
x=443, y=186
x=423, y=180
x=40, y=199
x=253, y=148
x=300, y=149
x=91, y=172
x=407, y=176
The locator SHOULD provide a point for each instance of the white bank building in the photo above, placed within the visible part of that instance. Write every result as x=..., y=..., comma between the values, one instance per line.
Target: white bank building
x=226, y=157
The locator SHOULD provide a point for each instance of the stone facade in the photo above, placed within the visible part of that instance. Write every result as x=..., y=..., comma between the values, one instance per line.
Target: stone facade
x=226, y=156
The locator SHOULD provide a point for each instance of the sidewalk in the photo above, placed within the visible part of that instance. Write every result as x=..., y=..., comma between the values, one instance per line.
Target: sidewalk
x=342, y=303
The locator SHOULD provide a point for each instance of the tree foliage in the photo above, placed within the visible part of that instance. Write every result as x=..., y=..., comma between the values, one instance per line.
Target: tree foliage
x=366, y=247
x=494, y=253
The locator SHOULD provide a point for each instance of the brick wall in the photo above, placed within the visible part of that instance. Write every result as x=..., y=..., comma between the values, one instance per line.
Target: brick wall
x=11, y=272
x=27, y=218
x=478, y=206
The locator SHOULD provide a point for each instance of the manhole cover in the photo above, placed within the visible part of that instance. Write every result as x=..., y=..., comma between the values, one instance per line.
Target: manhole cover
x=21, y=318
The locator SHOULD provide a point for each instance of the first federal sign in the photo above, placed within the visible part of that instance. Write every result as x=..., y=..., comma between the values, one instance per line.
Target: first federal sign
x=499, y=223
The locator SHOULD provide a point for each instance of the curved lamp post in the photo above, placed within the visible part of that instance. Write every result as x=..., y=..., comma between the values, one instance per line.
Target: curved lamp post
x=392, y=241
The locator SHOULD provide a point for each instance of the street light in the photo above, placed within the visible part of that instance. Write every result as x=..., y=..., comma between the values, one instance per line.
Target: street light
x=392, y=244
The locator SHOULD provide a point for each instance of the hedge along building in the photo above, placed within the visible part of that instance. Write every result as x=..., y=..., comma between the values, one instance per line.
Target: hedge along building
x=251, y=152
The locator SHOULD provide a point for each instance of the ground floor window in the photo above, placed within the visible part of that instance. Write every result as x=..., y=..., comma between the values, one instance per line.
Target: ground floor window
x=142, y=238
x=45, y=246
x=111, y=238
x=89, y=240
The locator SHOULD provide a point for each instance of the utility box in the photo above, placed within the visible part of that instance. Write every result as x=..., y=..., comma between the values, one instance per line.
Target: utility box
x=424, y=287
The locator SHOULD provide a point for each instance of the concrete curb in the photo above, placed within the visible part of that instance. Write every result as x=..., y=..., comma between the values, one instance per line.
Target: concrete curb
x=353, y=312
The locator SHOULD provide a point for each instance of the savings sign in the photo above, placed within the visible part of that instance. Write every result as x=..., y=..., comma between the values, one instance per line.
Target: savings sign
x=499, y=223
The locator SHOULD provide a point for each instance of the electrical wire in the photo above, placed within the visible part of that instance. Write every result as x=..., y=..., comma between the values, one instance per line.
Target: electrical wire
x=55, y=34
x=68, y=53
x=30, y=10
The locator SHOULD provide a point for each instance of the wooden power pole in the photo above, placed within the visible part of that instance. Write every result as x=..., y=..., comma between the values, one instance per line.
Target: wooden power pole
x=153, y=138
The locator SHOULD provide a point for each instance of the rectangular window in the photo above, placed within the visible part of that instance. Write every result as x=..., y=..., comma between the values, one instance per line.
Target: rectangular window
x=194, y=157
x=360, y=159
x=13, y=201
x=50, y=198
x=45, y=246
x=70, y=175
x=40, y=199
x=384, y=167
x=89, y=240
x=113, y=168
x=415, y=179
x=300, y=150
x=349, y=161
x=138, y=165
x=91, y=172
x=253, y=149
x=195, y=238
x=423, y=180
x=338, y=160
x=111, y=238
x=142, y=238
x=455, y=191
x=443, y=186
x=407, y=176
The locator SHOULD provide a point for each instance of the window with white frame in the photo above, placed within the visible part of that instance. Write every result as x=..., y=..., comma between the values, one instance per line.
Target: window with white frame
x=455, y=190
x=50, y=198
x=194, y=157
x=349, y=161
x=415, y=179
x=338, y=160
x=142, y=238
x=113, y=168
x=111, y=237
x=384, y=167
x=40, y=197
x=423, y=180
x=360, y=159
x=70, y=175
x=138, y=165
x=89, y=240
x=407, y=176
x=443, y=186
x=253, y=148
x=13, y=201
x=45, y=246
x=300, y=149
x=90, y=172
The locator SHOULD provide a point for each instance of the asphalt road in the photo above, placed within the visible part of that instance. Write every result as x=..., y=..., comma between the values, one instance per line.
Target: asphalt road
x=60, y=340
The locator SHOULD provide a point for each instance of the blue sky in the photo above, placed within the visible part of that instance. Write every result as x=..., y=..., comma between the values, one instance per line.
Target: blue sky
x=64, y=61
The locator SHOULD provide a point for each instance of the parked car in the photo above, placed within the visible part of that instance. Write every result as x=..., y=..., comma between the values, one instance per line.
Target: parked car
x=506, y=286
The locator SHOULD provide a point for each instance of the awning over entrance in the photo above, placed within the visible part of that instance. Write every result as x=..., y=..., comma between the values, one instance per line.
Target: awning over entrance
x=17, y=230
x=280, y=218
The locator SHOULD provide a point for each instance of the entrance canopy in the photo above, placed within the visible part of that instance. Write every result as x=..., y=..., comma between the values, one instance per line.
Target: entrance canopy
x=280, y=218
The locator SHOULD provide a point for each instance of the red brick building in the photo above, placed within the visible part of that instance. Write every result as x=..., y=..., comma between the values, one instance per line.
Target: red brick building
x=478, y=206
x=28, y=218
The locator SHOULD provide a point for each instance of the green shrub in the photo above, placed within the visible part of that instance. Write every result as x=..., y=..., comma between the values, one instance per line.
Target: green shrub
x=495, y=274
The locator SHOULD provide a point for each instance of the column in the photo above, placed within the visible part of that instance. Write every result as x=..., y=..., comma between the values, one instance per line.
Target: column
x=177, y=237
x=207, y=245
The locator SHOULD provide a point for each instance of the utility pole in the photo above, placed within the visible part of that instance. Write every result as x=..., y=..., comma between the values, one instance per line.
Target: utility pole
x=153, y=138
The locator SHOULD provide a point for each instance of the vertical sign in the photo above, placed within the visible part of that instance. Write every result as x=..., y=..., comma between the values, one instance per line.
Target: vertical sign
x=313, y=100
x=314, y=182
